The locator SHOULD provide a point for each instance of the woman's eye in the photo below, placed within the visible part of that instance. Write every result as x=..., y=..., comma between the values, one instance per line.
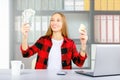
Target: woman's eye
x=58, y=20
x=51, y=20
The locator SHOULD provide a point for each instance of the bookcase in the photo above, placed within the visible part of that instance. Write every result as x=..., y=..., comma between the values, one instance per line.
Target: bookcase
x=106, y=24
x=91, y=13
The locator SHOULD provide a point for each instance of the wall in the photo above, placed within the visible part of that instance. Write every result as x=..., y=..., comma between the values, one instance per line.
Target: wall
x=4, y=34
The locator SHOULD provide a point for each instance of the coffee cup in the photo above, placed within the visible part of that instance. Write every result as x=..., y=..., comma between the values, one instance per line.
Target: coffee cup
x=16, y=67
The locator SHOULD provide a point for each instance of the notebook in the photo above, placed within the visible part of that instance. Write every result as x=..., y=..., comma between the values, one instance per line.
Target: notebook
x=107, y=61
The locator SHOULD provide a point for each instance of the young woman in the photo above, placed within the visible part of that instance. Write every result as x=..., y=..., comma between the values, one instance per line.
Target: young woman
x=55, y=50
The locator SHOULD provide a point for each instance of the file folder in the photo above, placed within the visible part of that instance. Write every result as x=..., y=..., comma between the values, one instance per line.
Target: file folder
x=110, y=28
x=103, y=5
x=87, y=5
x=97, y=4
x=117, y=28
x=103, y=28
x=110, y=5
x=97, y=21
x=117, y=5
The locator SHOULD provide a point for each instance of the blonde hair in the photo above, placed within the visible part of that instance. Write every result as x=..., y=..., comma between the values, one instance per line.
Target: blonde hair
x=64, y=26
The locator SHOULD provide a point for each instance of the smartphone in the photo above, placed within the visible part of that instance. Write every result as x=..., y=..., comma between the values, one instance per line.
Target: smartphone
x=61, y=73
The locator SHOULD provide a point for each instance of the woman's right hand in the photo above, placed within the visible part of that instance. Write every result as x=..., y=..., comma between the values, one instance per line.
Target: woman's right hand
x=25, y=29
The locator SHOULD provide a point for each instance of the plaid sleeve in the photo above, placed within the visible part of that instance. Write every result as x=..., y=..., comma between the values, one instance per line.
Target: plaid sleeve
x=31, y=50
x=77, y=58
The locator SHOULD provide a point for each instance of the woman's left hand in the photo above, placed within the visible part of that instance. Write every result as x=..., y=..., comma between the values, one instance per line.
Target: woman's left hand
x=83, y=36
x=83, y=39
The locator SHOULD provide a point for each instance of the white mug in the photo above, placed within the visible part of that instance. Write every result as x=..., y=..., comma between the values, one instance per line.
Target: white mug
x=16, y=67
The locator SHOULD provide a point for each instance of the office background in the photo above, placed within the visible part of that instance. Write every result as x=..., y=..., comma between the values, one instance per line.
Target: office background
x=4, y=34
x=92, y=13
x=75, y=11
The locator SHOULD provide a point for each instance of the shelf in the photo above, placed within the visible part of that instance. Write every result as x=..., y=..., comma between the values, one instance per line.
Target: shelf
x=52, y=5
x=106, y=13
x=49, y=12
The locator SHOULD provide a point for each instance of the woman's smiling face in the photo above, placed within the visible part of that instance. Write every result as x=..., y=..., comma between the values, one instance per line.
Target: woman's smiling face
x=56, y=23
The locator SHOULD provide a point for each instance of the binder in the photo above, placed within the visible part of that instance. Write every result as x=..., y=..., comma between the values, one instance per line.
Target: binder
x=18, y=3
x=97, y=20
x=32, y=30
x=97, y=4
x=44, y=24
x=116, y=29
x=37, y=27
x=44, y=5
x=103, y=28
x=31, y=4
x=110, y=29
x=52, y=4
x=86, y=5
x=117, y=5
x=18, y=24
x=110, y=5
x=59, y=4
x=79, y=4
x=69, y=4
x=103, y=5
x=24, y=4
x=37, y=5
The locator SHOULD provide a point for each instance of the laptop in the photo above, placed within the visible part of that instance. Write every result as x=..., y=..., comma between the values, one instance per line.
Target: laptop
x=107, y=61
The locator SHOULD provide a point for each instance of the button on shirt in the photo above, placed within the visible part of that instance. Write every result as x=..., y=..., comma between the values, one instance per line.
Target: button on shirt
x=54, y=59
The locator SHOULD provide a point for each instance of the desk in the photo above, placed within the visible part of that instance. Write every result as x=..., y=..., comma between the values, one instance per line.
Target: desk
x=29, y=74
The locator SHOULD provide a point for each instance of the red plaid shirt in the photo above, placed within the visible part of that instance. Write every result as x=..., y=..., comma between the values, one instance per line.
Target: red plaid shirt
x=43, y=46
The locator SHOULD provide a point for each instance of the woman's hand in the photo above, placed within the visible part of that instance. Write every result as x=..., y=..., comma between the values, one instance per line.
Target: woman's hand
x=83, y=38
x=25, y=29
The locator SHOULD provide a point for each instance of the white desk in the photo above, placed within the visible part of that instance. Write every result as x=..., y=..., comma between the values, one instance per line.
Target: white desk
x=29, y=74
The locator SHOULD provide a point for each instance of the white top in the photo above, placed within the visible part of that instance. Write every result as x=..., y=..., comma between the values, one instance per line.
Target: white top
x=54, y=59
